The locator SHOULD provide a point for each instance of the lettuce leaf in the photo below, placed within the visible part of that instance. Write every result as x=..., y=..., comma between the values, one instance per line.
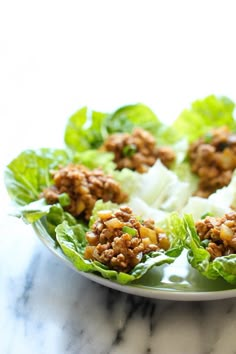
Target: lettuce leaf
x=95, y=158
x=88, y=129
x=199, y=257
x=159, y=188
x=56, y=216
x=126, y=118
x=83, y=130
x=217, y=204
x=29, y=173
x=175, y=229
x=72, y=241
x=52, y=215
x=31, y=212
x=156, y=193
x=203, y=115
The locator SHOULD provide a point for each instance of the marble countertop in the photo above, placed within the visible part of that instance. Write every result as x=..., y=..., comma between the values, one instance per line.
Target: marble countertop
x=47, y=308
x=57, y=57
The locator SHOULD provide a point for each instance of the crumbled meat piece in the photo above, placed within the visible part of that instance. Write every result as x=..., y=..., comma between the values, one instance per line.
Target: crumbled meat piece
x=84, y=188
x=213, y=159
x=215, y=250
x=123, y=239
x=137, y=151
x=221, y=233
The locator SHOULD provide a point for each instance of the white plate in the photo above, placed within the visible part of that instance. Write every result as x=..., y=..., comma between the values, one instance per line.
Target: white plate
x=178, y=281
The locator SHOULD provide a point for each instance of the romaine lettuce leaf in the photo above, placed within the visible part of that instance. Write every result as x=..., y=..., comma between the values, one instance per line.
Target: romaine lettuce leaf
x=95, y=158
x=199, y=257
x=126, y=118
x=159, y=188
x=72, y=241
x=83, y=130
x=203, y=115
x=129, y=180
x=29, y=173
x=226, y=267
x=88, y=129
x=31, y=212
x=52, y=215
x=217, y=204
x=175, y=229
x=156, y=193
x=56, y=216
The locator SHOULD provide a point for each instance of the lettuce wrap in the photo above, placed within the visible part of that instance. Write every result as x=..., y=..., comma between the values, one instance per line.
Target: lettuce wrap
x=200, y=259
x=204, y=115
x=73, y=242
x=29, y=174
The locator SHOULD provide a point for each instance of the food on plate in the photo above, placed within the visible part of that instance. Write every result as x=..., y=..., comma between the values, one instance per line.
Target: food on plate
x=212, y=245
x=84, y=187
x=120, y=239
x=213, y=158
x=203, y=115
x=137, y=150
x=218, y=234
x=127, y=192
x=119, y=245
x=87, y=129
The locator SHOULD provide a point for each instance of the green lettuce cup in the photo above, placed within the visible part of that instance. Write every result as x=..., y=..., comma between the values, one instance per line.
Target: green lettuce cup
x=201, y=258
x=73, y=241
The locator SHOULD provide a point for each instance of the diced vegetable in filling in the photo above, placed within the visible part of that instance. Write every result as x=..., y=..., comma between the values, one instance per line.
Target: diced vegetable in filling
x=84, y=187
x=120, y=239
x=218, y=235
x=213, y=159
x=137, y=151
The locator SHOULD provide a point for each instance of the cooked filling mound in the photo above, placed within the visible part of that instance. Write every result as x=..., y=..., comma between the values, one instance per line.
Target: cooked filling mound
x=84, y=188
x=119, y=240
x=137, y=151
x=219, y=233
x=213, y=159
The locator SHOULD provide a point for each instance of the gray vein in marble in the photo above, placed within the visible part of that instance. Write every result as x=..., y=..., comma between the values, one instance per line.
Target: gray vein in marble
x=22, y=301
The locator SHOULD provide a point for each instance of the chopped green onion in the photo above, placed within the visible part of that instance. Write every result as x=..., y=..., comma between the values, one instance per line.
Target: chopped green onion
x=129, y=150
x=64, y=199
x=206, y=214
x=208, y=137
x=140, y=219
x=129, y=230
x=205, y=243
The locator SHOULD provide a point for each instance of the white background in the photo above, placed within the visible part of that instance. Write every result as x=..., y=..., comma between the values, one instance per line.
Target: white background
x=57, y=56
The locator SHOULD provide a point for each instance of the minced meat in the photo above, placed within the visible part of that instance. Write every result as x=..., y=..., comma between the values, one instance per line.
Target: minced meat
x=137, y=151
x=220, y=232
x=119, y=240
x=213, y=159
x=84, y=188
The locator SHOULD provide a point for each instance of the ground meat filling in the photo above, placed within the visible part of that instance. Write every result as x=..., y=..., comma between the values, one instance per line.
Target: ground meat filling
x=119, y=240
x=137, y=151
x=213, y=159
x=221, y=234
x=84, y=188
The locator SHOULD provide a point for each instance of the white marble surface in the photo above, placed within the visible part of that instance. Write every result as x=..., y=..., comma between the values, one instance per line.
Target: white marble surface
x=48, y=308
x=57, y=56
